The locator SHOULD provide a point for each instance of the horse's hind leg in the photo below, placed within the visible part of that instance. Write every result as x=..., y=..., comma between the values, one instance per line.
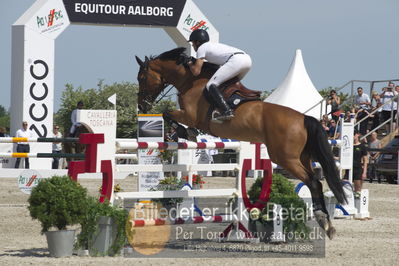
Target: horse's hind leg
x=297, y=168
x=319, y=205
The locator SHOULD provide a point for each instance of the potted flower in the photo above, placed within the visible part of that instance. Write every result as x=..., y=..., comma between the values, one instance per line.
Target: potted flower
x=103, y=229
x=166, y=184
x=282, y=193
x=198, y=181
x=58, y=202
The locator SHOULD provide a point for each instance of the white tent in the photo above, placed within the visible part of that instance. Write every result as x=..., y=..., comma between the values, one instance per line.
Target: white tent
x=297, y=90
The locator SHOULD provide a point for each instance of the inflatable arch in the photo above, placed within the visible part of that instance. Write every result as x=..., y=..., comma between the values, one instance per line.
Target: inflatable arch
x=33, y=46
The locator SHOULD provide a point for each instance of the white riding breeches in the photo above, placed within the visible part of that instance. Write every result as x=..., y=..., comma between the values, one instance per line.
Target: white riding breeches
x=238, y=65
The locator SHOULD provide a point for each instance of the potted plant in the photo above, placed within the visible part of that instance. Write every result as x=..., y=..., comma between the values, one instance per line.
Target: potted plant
x=169, y=183
x=103, y=229
x=58, y=202
x=282, y=193
x=198, y=181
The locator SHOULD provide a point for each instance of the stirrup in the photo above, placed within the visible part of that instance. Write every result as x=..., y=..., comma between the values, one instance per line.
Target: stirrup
x=218, y=117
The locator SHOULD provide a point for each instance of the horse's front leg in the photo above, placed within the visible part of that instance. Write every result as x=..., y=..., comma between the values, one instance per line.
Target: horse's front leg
x=177, y=117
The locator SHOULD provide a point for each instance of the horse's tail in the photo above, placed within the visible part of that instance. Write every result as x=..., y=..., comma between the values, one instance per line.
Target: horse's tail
x=320, y=150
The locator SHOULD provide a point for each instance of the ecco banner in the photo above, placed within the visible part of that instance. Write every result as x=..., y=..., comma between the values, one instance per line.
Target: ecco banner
x=128, y=12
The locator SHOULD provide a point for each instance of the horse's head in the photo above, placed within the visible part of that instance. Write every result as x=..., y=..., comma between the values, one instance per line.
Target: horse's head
x=151, y=84
x=151, y=76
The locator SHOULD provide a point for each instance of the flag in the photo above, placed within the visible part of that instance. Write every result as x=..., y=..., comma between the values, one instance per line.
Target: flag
x=112, y=99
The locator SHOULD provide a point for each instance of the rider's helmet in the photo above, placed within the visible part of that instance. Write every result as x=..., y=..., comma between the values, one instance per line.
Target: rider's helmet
x=199, y=35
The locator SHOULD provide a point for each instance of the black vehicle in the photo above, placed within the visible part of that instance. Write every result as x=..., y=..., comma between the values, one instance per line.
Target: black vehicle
x=386, y=165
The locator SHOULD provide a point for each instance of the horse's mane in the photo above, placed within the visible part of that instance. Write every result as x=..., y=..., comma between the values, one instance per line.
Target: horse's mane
x=173, y=54
x=177, y=53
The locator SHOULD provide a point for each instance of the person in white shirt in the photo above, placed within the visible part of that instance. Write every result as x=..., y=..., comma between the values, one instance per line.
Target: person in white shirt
x=23, y=147
x=388, y=108
x=233, y=62
x=57, y=147
x=75, y=124
x=363, y=101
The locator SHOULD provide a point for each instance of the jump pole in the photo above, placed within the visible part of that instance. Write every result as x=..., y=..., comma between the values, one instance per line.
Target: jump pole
x=15, y=140
x=188, y=220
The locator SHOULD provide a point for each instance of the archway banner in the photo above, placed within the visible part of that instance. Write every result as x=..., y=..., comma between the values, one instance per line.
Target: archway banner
x=138, y=12
x=33, y=48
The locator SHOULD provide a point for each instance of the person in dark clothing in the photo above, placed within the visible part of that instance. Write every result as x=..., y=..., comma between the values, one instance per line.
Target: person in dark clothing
x=360, y=162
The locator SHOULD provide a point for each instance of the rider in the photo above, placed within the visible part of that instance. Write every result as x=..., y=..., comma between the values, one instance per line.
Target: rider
x=233, y=62
x=74, y=123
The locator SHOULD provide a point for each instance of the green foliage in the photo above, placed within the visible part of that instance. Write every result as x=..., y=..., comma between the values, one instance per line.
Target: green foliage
x=58, y=202
x=126, y=105
x=4, y=117
x=166, y=184
x=265, y=94
x=3, y=111
x=283, y=193
x=90, y=225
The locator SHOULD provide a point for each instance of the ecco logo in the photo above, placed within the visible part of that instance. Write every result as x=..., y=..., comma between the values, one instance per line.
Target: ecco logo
x=33, y=93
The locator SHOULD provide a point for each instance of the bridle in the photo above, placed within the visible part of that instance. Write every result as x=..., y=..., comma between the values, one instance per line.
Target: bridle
x=148, y=98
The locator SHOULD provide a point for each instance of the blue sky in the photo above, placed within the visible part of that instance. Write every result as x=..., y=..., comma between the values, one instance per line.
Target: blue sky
x=340, y=41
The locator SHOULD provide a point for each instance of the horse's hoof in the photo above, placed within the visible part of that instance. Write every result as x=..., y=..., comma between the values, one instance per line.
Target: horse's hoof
x=331, y=232
x=321, y=219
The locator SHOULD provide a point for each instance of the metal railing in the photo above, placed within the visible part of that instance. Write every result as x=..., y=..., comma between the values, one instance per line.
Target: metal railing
x=351, y=99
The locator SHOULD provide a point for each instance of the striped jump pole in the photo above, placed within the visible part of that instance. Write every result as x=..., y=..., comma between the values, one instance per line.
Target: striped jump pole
x=178, y=145
x=188, y=220
x=15, y=140
x=41, y=155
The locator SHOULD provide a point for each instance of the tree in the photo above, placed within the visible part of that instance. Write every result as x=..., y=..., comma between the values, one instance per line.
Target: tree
x=126, y=105
x=4, y=117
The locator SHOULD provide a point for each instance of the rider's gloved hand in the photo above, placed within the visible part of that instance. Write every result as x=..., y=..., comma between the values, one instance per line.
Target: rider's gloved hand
x=186, y=59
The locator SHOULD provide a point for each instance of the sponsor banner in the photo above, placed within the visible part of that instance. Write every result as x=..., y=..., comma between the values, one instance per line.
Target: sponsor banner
x=49, y=19
x=125, y=12
x=192, y=18
x=150, y=129
x=28, y=179
x=346, y=146
x=101, y=122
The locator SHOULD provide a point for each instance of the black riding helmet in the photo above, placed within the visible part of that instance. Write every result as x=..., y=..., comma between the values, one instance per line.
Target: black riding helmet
x=199, y=35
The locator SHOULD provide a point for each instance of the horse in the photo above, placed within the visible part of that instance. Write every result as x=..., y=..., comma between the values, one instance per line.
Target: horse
x=75, y=147
x=292, y=139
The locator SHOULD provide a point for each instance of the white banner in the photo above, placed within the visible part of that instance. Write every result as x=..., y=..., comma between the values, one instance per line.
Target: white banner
x=346, y=153
x=150, y=128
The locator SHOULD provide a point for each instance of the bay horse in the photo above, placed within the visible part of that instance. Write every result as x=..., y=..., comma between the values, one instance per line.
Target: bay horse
x=292, y=139
x=75, y=147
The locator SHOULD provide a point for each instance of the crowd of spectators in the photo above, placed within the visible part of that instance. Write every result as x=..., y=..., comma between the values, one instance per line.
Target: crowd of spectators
x=371, y=113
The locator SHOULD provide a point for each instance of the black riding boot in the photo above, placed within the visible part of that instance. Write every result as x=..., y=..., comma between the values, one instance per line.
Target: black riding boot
x=227, y=113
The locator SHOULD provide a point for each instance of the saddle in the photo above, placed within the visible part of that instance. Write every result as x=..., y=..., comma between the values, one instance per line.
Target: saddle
x=235, y=93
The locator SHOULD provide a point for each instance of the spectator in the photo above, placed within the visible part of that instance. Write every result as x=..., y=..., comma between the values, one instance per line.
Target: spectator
x=57, y=147
x=363, y=101
x=376, y=105
x=347, y=117
x=74, y=122
x=2, y=132
x=373, y=144
x=334, y=101
x=360, y=161
x=387, y=108
x=23, y=147
x=325, y=127
x=334, y=130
